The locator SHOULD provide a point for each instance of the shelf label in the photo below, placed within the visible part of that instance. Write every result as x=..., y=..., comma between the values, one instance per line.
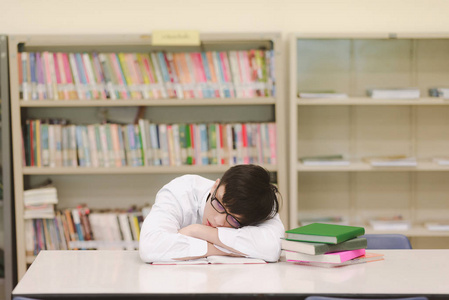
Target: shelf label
x=176, y=38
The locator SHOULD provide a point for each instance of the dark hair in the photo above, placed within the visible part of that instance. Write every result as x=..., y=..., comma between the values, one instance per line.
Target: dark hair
x=249, y=194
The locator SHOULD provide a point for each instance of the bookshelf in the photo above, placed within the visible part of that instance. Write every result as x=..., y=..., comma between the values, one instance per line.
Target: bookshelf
x=120, y=187
x=7, y=204
x=359, y=126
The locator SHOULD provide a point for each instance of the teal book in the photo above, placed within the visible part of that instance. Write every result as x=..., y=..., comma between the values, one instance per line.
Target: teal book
x=321, y=248
x=324, y=233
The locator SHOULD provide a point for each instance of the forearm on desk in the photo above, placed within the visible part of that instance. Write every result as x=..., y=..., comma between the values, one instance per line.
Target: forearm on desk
x=209, y=234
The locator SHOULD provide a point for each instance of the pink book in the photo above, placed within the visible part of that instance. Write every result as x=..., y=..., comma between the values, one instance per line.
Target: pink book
x=244, y=64
x=202, y=74
x=333, y=257
x=59, y=61
x=181, y=75
x=188, y=77
x=134, y=76
x=196, y=74
x=58, y=76
x=245, y=144
x=273, y=143
x=219, y=137
x=139, y=76
x=151, y=75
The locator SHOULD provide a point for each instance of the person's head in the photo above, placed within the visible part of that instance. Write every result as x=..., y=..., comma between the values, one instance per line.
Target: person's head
x=246, y=194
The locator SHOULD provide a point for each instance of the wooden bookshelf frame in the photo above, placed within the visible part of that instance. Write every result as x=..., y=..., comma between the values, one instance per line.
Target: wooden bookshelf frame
x=354, y=102
x=66, y=42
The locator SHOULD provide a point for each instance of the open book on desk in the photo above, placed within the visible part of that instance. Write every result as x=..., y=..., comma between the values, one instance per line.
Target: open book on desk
x=218, y=259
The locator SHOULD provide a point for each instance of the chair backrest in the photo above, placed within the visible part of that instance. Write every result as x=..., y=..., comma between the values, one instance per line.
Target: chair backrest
x=387, y=241
x=333, y=298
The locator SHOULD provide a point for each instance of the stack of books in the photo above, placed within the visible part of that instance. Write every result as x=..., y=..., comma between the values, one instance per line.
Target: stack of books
x=395, y=222
x=326, y=245
x=324, y=160
x=391, y=161
x=39, y=202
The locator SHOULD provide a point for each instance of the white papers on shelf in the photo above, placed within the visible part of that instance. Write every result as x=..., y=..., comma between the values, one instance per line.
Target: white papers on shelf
x=437, y=226
x=323, y=95
x=337, y=220
x=390, y=224
x=391, y=162
x=442, y=161
x=326, y=162
x=404, y=93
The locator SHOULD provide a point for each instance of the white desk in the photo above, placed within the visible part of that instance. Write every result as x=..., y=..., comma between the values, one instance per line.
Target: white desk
x=115, y=274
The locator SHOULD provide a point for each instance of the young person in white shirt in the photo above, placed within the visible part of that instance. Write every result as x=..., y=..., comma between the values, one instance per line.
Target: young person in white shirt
x=194, y=217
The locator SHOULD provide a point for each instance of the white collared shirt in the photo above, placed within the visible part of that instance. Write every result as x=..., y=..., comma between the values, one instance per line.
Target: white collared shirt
x=180, y=203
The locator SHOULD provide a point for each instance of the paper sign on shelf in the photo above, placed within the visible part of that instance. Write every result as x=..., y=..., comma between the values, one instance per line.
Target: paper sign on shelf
x=176, y=38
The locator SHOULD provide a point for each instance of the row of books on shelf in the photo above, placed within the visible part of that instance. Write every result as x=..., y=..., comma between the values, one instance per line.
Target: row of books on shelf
x=381, y=93
x=326, y=245
x=55, y=143
x=155, y=75
x=388, y=222
x=47, y=228
x=79, y=228
x=374, y=161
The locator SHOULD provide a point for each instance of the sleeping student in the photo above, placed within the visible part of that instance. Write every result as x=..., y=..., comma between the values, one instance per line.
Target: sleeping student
x=194, y=217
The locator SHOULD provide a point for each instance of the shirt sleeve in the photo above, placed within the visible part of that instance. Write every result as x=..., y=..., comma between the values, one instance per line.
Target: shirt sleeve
x=159, y=237
x=262, y=241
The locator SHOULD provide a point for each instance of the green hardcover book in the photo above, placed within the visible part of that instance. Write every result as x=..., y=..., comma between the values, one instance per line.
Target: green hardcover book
x=321, y=248
x=189, y=145
x=212, y=144
x=183, y=142
x=324, y=233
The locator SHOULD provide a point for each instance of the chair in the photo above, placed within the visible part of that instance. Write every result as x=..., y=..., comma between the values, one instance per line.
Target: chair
x=333, y=298
x=387, y=241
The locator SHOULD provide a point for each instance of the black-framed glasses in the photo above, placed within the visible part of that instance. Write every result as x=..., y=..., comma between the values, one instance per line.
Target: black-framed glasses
x=216, y=204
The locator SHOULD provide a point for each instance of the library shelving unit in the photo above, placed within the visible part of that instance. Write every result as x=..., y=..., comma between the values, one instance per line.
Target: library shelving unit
x=7, y=203
x=120, y=187
x=359, y=126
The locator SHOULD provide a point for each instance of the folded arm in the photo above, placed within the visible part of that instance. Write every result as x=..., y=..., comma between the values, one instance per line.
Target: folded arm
x=261, y=241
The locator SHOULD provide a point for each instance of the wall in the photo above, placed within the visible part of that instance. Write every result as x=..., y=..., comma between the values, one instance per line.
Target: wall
x=140, y=16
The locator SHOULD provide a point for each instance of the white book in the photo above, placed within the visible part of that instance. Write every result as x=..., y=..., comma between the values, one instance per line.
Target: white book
x=323, y=95
x=125, y=229
x=437, y=226
x=390, y=224
x=326, y=163
x=395, y=163
x=25, y=90
x=176, y=145
x=442, y=161
x=406, y=93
